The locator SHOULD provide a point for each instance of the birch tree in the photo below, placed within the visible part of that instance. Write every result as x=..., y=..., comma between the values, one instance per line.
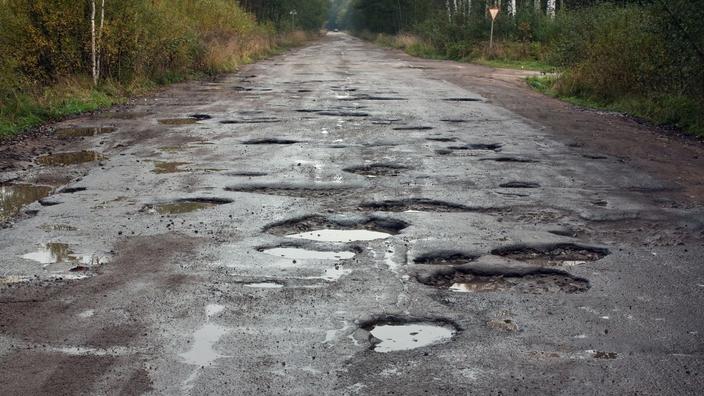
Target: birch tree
x=551, y=8
x=96, y=39
x=512, y=8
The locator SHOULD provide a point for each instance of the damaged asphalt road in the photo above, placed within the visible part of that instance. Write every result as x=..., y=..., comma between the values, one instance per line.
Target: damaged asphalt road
x=344, y=219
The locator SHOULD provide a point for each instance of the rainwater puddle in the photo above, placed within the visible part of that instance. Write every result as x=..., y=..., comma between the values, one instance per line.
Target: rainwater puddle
x=202, y=352
x=565, y=254
x=305, y=254
x=81, y=132
x=71, y=158
x=161, y=167
x=178, y=121
x=15, y=196
x=264, y=285
x=52, y=253
x=407, y=336
x=186, y=205
x=329, y=235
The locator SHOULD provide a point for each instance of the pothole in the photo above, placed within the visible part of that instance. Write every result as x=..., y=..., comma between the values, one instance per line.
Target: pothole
x=508, y=159
x=61, y=253
x=478, y=146
x=264, y=285
x=255, y=120
x=270, y=141
x=186, y=205
x=413, y=128
x=343, y=113
x=442, y=139
x=418, y=205
x=392, y=334
x=70, y=158
x=84, y=132
x=299, y=253
x=454, y=120
x=247, y=174
x=178, y=121
x=445, y=257
x=604, y=355
x=462, y=100
x=71, y=190
x=319, y=228
x=13, y=197
x=561, y=254
x=519, y=184
x=376, y=170
x=127, y=115
x=506, y=325
x=162, y=167
x=200, y=117
x=522, y=280
x=291, y=191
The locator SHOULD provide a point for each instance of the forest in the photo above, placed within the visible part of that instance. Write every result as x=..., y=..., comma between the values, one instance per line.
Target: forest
x=61, y=57
x=642, y=57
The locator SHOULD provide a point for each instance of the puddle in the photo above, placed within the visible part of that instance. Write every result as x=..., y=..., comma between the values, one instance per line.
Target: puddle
x=71, y=158
x=264, y=285
x=413, y=128
x=57, y=253
x=291, y=191
x=58, y=227
x=562, y=254
x=376, y=170
x=257, y=120
x=81, y=132
x=328, y=235
x=604, y=355
x=123, y=115
x=200, y=117
x=162, y=167
x=454, y=120
x=397, y=335
x=178, y=121
x=462, y=100
x=519, y=184
x=13, y=197
x=307, y=254
x=344, y=113
x=202, y=352
x=71, y=190
x=441, y=139
x=186, y=205
x=323, y=229
x=247, y=174
x=418, y=205
x=529, y=281
x=270, y=141
x=477, y=146
x=508, y=159
x=445, y=258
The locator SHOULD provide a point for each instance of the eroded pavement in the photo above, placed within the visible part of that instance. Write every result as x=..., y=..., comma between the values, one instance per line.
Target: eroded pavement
x=341, y=220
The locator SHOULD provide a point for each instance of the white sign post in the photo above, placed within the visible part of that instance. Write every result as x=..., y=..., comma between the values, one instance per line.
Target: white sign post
x=494, y=11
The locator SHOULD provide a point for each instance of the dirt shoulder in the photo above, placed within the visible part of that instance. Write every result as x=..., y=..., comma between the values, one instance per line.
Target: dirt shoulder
x=676, y=159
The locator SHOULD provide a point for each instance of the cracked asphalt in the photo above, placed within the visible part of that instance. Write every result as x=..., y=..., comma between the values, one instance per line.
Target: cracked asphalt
x=247, y=235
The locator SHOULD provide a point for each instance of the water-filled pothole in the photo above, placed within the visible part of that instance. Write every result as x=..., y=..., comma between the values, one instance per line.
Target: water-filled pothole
x=186, y=205
x=84, y=132
x=298, y=253
x=519, y=184
x=13, y=197
x=478, y=146
x=376, y=169
x=442, y=139
x=418, y=205
x=291, y=191
x=560, y=254
x=393, y=334
x=445, y=257
x=462, y=100
x=508, y=159
x=523, y=280
x=247, y=174
x=413, y=128
x=178, y=121
x=264, y=285
x=254, y=120
x=320, y=228
x=71, y=190
x=343, y=113
x=270, y=141
x=70, y=158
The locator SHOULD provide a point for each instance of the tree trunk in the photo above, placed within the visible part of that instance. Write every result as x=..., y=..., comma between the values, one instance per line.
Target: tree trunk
x=551, y=8
x=92, y=43
x=512, y=7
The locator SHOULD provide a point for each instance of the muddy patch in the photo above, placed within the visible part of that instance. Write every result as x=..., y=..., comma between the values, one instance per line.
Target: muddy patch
x=292, y=190
x=83, y=132
x=70, y=158
x=445, y=257
x=13, y=197
x=519, y=184
x=178, y=121
x=376, y=170
x=320, y=228
x=418, y=205
x=562, y=254
x=161, y=167
x=392, y=334
x=186, y=205
x=270, y=141
x=528, y=280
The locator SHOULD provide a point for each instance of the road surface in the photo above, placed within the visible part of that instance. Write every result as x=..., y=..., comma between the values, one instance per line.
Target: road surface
x=345, y=219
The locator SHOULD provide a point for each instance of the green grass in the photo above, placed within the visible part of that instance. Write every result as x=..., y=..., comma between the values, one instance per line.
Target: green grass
x=683, y=113
x=526, y=64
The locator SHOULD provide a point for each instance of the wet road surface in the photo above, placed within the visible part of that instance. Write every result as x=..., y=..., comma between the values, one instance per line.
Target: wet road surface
x=343, y=219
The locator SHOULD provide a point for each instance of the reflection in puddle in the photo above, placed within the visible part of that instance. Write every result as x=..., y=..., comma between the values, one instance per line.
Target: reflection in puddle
x=52, y=253
x=178, y=121
x=64, y=159
x=202, y=352
x=328, y=235
x=168, y=167
x=80, y=132
x=303, y=254
x=481, y=285
x=182, y=207
x=14, y=196
x=264, y=285
x=12, y=279
x=401, y=337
